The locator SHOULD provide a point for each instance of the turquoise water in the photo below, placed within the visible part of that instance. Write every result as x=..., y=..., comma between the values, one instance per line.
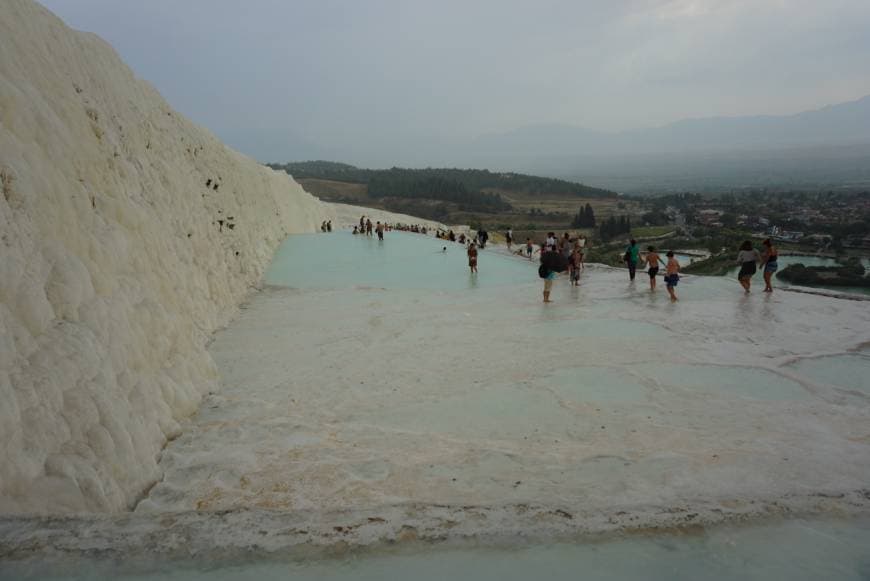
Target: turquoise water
x=402, y=261
x=786, y=260
x=846, y=371
x=794, y=550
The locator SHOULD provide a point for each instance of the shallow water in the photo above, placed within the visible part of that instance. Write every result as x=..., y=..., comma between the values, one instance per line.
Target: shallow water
x=417, y=386
x=382, y=386
x=806, y=260
x=400, y=261
x=791, y=550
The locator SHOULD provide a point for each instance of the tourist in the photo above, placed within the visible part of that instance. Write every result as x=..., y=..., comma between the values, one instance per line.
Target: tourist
x=451, y=236
x=368, y=226
x=550, y=266
x=356, y=230
x=672, y=277
x=462, y=239
x=652, y=261
x=769, y=265
x=576, y=259
x=632, y=253
x=380, y=230
x=582, y=241
x=329, y=226
x=529, y=248
x=551, y=240
x=323, y=226
x=472, y=257
x=362, y=224
x=565, y=245
x=748, y=259
x=509, y=238
x=482, y=236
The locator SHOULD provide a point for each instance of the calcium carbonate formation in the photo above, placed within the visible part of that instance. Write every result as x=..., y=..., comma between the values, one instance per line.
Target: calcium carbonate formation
x=128, y=234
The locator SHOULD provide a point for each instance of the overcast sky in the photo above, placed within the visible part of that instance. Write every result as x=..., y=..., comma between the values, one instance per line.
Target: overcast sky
x=366, y=78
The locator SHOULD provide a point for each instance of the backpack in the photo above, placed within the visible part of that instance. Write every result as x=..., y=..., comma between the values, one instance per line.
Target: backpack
x=543, y=271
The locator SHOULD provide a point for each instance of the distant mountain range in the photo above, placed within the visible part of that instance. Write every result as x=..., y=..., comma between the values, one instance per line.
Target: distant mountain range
x=824, y=148
x=828, y=147
x=845, y=123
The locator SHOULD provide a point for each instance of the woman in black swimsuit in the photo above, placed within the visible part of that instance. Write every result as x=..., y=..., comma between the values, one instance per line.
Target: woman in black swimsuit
x=748, y=259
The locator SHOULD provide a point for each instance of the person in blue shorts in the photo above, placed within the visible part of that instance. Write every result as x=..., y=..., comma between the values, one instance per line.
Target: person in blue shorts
x=672, y=277
x=768, y=260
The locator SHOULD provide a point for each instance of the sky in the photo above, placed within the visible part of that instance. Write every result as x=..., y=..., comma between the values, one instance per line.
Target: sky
x=367, y=80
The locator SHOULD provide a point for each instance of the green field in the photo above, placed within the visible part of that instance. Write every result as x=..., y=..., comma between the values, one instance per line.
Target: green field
x=651, y=231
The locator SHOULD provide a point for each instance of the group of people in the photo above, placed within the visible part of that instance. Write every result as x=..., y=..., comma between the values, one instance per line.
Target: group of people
x=567, y=254
x=749, y=259
x=653, y=261
x=366, y=227
x=326, y=226
x=559, y=255
x=479, y=239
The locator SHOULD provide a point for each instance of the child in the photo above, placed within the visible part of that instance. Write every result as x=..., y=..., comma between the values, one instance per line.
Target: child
x=672, y=278
x=652, y=261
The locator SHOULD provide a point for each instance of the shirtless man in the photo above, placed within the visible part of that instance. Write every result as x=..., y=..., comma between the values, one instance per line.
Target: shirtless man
x=653, y=261
x=672, y=277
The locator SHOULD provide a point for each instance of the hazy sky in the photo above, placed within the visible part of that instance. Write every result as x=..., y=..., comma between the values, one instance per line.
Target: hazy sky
x=366, y=78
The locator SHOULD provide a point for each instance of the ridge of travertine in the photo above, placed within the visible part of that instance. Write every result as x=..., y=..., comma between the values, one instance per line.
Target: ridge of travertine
x=127, y=235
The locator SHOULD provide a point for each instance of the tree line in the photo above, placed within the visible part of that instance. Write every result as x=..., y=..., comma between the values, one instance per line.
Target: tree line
x=405, y=184
x=585, y=218
x=474, y=180
x=611, y=228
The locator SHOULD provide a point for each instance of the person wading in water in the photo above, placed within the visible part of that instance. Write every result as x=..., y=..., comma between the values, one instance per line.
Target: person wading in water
x=631, y=256
x=472, y=257
x=748, y=259
x=768, y=263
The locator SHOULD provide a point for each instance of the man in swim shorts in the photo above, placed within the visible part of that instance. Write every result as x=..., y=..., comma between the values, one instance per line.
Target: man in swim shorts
x=672, y=277
x=652, y=262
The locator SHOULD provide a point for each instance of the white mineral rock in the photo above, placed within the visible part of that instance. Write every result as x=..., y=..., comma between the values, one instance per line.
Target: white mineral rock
x=127, y=235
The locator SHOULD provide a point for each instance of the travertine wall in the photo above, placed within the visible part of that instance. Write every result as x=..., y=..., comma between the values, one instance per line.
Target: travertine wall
x=127, y=235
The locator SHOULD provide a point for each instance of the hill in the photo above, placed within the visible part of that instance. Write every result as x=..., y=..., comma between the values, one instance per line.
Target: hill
x=436, y=193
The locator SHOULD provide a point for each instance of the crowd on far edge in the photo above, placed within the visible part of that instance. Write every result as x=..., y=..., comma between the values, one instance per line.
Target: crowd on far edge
x=566, y=254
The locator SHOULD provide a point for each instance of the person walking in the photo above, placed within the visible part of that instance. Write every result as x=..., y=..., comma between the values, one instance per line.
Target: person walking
x=632, y=254
x=329, y=226
x=652, y=261
x=529, y=248
x=552, y=262
x=748, y=258
x=380, y=230
x=672, y=277
x=575, y=262
x=509, y=238
x=769, y=264
x=368, y=226
x=472, y=257
x=582, y=241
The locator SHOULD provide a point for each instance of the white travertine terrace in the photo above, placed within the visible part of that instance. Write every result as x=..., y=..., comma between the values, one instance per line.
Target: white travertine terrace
x=128, y=235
